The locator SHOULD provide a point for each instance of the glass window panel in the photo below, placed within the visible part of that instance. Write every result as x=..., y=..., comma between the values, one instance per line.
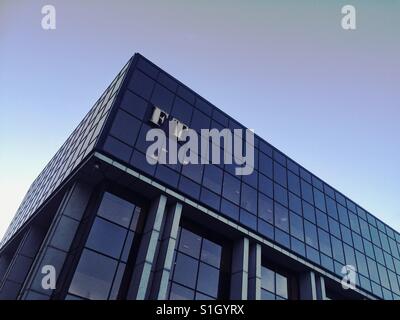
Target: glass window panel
x=306, y=191
x=266, y=295
x=280, y=194
x=294, y=183
x=93, y=276
x=346, y=235
x=211, y=253
x=249, y=198
x=280, y=174
x=231, y=189
x=331, y=208
x=265, y=185
x=374, y=235
x=281, y=217
x=265, y=229
x=296, y=226
x=324, y=243
x=179, y=292
x=319, y=199
x=189, y=243
x=322, y=220
x=185, y=270
x=267, y=279
x=349, y=255
x=384, y=241
x=369, y=249
x=229, y=209
x=298, y=246
x=337, y=249
x=357, y=241
x=310, y=232
x=210, y=198
x=379, y=255
x=281, y=286
x=355, y=226
x=208, y=280
x=334, y=228
x=312, y=254
x=364, y=229
x=383, y=276
x=106, y=238
x=193, y=171
x=343, y=215
x=116, y=209
x=248, y=219
x=265, y=165
x=373, y=270
x=213, y=178
x=295, y=203
x=361, y=264
x=308, y=212
x=282, y=238
x=265, y=208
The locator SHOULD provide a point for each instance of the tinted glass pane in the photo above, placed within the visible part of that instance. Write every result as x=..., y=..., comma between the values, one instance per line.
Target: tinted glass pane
x=281, y=286
x=295, y=203
x=296, y=226
x=324, y=243
x=249, y=198
x=311, y=234
x=93, y=276
x=213, y=178
x=280, y=194
x=281, y=217
x=294, y=183
x=267, y=279
x=189, y=243
x=265, y=208
x=180, y=293
x=185, y=270
x=208, y=280
x=106, y=238
x=337, y=249
x=331, y=208
x=280, y=174
x=211, y=253
x=231, y=190
x=308, y=212
x=116, y=209
x=306, y=191
x=319, y=199
x=265, y=165
x=265, y=185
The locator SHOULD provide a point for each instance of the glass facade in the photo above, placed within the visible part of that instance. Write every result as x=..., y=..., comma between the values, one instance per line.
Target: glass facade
x=280, y=201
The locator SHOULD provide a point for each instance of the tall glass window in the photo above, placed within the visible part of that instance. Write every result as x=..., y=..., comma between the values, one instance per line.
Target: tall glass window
x=103, y=260
x=274, y=284
x=197, y=268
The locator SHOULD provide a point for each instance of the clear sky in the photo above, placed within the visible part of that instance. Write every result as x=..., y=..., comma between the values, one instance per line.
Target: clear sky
x=328, y=98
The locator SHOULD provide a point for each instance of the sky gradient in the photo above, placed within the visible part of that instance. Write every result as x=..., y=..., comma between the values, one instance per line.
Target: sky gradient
x=326, y=97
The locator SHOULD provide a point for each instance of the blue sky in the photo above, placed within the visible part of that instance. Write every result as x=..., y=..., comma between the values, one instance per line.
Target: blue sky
x=328, y=98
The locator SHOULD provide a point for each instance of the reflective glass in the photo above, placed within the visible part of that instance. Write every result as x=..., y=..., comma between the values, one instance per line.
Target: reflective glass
x=116, y=209
x=93, y=276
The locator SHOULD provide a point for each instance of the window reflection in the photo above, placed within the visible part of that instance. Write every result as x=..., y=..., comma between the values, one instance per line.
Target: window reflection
x=102, y=263
x=197, y=267
x=274, y=284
